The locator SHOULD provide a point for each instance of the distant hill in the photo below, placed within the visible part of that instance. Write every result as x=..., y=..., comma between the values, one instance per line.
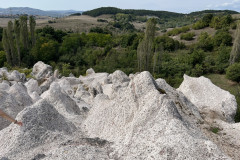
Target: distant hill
x=214, y=12
x=160, y=14
x=32, y=11
x=112, y=10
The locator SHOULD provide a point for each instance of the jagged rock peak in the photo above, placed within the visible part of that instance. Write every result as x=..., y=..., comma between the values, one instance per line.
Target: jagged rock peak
x=210, y=99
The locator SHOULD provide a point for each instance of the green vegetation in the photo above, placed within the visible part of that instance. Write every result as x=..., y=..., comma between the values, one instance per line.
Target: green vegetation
x=233, y=72
x=187, y=36
x=177, y=31
x=215, y=129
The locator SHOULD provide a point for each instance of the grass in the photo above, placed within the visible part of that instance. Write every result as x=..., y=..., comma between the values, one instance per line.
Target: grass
x=214, y=130
x=233, y=87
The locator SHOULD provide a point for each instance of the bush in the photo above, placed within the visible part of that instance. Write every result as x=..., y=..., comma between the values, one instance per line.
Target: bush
x=177, y=31
x=205, y=42
x=199, y=25
x=233, y=72
x=222, y=37
x=168, y=43
x=187, y=36
x=102, y=20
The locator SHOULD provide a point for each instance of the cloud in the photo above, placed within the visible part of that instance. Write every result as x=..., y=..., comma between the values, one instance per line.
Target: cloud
x=228, y=4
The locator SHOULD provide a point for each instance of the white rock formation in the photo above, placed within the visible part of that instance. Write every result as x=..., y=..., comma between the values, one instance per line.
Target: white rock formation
x=32, y=86
x=143, y=124
x=113, y=116
x=209, y=99
x=60, y=100
x=42, y=125
x=16, y=76
x=41, y=70
x=19, y=92
x=9, y=105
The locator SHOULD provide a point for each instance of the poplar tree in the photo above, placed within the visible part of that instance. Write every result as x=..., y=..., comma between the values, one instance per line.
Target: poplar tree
x=24, y=31
x=10, y=35
x=32, y=24
x=145, y=48
x=235, y=53
x=17, y=37
x=6, y=46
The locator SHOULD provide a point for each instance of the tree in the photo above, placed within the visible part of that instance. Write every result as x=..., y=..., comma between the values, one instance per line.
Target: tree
x=17, y=37
x=11, y=42
x=2, y=58
x=235, y=53
x=144, y=51
x=6, y=47
x=32, y=24
x=24, y=31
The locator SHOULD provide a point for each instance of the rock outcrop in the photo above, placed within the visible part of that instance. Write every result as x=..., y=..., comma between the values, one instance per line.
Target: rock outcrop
x=115, y=116
x=211, y=100
x=41, y=71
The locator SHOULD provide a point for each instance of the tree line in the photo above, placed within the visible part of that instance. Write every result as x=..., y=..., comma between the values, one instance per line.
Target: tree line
x=15, y=39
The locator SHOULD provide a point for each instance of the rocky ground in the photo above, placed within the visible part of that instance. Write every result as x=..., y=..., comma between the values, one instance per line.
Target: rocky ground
x=115, y=116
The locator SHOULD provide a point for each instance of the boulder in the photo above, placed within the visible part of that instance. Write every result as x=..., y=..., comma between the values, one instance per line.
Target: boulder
x=32, y=86
x=41, y=71
x=90, y=71
x=119, y=77
x=212, y=101
x=66, y=87
x=16, y=76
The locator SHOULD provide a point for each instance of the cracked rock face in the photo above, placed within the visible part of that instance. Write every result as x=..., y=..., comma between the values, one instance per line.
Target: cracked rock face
x=209, y=99
x=115, y=116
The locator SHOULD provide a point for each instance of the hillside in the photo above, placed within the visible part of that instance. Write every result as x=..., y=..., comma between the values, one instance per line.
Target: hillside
x=159, y=14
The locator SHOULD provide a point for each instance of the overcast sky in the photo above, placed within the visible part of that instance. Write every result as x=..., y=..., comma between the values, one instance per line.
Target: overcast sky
x=182, y=6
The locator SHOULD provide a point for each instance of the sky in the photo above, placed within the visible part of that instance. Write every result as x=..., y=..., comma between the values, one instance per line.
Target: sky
x=181, y=6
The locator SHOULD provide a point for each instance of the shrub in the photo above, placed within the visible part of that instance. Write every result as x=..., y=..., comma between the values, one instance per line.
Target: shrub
x=199, y=25
x=187, y=36
x=222, y=37
x=102, y=20
x=233, y=72
x=177, y=31
x=168, y=43
x=205, y=42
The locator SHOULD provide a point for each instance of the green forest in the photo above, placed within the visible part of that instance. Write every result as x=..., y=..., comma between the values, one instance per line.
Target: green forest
x=120, y=46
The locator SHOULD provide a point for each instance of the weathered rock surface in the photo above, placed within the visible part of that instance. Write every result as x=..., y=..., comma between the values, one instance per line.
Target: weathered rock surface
x=60, y=100
x=42, y=125
x=16, y=76
x=41, y=71
x=211, y=100
x=32, y=86
x=9, y=105
x=143, y=123
x=115, y=116
x=19, y=92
